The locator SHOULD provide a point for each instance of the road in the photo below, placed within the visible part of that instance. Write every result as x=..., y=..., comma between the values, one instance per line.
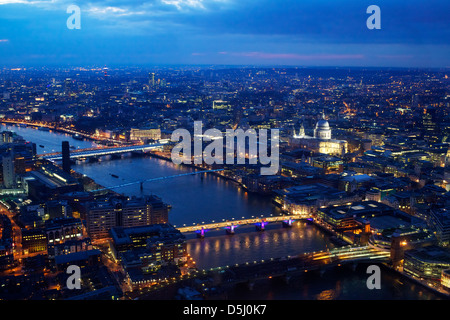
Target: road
x=16, y=231
x=17, y=237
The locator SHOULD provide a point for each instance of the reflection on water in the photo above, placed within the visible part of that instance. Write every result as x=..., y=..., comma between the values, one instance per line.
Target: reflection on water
x=220, y=250
x=326, y=295
x=194, y=199
x=340, y=283
x=47, y=141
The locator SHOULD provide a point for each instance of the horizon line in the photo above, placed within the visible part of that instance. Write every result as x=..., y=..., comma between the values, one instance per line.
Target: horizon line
x=211, y=65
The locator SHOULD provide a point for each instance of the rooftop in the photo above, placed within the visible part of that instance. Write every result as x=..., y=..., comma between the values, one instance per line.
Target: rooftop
x=432, y=254
x=76, y=256
x=358, y=209
x=123, y=235
x=310, y=192
x=387, y=222
x=61, y=222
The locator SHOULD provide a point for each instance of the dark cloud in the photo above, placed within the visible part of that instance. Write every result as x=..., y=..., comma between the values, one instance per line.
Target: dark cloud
x=258, y=31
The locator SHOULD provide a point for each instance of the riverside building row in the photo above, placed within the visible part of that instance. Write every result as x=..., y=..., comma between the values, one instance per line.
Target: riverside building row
x=102, y=216
x=148, y=253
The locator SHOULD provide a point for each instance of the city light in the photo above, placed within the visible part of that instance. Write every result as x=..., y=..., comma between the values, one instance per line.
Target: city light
x=88, y=180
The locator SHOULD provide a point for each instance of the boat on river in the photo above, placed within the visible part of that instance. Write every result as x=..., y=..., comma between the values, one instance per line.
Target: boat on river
x=76, y=136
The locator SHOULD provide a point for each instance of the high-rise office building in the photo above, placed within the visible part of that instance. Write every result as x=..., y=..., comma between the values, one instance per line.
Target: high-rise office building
x=6, y=137
x=20, y=165
x=151, y=79
x=67, y=86
x=430, y=128
x=116, y=212
x=9, y=176
x=66, y=156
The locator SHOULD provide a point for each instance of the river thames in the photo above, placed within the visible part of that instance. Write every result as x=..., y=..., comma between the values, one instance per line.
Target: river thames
x=206, y=198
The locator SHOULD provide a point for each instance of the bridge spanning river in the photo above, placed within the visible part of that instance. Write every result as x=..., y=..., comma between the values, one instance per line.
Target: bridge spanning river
x=230, y=225
x=141, y=182
x=252, y=271
x=94, y=152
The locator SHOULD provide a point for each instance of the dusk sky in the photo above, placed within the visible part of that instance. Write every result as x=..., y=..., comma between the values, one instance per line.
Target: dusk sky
x=232, y=32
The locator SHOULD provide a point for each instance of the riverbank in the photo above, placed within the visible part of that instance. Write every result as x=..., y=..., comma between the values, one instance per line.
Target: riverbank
x=346, y=282
x=401, y=273
x=333, y=236
x=59, y=130
x=438, y=291
x=214, y=173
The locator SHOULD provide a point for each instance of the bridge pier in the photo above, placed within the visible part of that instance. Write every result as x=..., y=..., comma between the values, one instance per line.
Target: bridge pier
x=201, y=233
x=135, y=154
x=286, y=279
x=287, y=223
x=250, y=285
x=93, y=159
x=125, y=155
x=230, y=230
x=322, y=272
x=261, y=226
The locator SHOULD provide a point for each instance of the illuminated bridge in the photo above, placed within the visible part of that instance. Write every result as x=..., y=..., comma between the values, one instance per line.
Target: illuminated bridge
x=229, y=226
x=285, y=267
x=350, y=253
x=93, y=152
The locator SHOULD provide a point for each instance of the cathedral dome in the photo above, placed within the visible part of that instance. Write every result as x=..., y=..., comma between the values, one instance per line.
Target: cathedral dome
x=322, y=124
x=322, y=130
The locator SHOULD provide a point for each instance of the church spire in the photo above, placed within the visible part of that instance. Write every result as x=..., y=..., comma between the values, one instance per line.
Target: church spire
x=301, y=131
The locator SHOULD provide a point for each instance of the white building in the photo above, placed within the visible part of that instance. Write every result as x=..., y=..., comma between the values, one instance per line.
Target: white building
x=321, y=141
x=9, y=177
x=144, y=134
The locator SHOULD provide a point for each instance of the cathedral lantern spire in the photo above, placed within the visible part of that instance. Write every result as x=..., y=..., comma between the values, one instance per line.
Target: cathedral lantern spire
x=301, y=132
x=322, y=130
